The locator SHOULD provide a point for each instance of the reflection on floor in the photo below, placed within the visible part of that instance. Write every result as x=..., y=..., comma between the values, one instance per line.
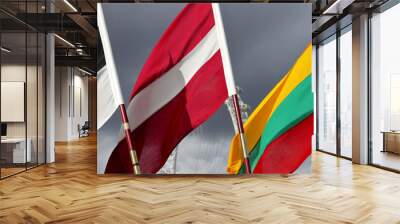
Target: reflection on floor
x=11, y=169
x=387, y=159
x=70, y=191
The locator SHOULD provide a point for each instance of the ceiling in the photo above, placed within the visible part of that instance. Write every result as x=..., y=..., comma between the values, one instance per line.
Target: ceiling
x=75, y=22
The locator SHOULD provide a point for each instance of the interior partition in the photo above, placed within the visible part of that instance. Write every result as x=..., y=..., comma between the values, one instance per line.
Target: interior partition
x=22, y=78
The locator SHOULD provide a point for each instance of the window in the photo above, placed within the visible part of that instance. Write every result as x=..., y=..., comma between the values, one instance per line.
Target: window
x=385, y=89
x=346, y=92
x=327, y=95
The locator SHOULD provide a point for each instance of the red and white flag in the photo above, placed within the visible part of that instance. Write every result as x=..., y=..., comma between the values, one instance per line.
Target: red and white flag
x=186, y=78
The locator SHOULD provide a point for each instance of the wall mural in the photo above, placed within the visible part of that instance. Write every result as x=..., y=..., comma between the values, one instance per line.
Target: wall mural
x=204, y=88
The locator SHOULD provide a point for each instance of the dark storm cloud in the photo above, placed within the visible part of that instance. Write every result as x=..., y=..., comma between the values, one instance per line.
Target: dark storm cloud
x=134, y=29
x=264, y=41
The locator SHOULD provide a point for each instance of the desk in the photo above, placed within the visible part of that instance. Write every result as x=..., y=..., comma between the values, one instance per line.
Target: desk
x=16, y=151
x=391, y=141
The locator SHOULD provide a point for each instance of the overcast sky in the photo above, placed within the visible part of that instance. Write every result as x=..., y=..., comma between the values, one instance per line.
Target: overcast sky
x=264, y=41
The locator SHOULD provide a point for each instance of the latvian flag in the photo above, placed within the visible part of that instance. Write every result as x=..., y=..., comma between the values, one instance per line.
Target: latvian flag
x=180, y=86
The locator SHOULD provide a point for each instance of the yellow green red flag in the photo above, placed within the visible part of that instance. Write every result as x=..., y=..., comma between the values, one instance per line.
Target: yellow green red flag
x=279, y=130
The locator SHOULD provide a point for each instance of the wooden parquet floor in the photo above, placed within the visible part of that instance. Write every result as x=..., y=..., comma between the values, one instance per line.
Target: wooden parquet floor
x=69, y=191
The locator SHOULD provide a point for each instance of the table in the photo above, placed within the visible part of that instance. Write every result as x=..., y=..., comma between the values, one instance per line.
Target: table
x=17, y=150
x=391, y=141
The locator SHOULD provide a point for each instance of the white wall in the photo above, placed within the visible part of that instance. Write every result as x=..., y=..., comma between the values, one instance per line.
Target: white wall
x=71, y=102
x=17, y=73
x=80, y=104
x=61, y=103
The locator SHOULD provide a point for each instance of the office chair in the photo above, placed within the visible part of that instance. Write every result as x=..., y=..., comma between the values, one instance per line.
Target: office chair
x=84, y=130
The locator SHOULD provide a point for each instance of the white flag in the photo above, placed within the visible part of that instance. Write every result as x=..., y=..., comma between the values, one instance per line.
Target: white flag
x=108, y=88
x=106, y=103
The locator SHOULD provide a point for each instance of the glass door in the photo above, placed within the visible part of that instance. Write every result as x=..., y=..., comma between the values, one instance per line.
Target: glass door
x=14, y=154
x=22, y=77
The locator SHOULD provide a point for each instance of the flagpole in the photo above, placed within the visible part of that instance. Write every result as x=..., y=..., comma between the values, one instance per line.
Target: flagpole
x=230, y=81
x=115, y=87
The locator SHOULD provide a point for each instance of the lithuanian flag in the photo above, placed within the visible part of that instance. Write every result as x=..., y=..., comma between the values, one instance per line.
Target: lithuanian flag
x=280, y=128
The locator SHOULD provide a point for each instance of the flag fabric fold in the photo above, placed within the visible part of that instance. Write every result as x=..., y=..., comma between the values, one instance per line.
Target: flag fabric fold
x=180, y=86
x=280, y=128
x=107, y=77
x=108, y=104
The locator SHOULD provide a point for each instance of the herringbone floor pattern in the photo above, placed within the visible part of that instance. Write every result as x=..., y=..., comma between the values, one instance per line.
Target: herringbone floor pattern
x=69, y=191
